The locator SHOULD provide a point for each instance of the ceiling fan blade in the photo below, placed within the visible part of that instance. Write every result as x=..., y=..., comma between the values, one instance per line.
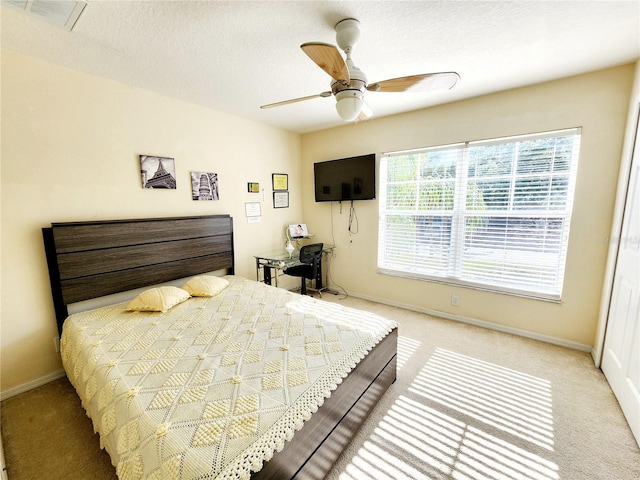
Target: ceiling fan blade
x=328, y=58
x=296, y=100
x=417, y=83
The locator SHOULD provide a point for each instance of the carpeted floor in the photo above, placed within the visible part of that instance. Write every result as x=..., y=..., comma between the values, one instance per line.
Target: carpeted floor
x=468, y=403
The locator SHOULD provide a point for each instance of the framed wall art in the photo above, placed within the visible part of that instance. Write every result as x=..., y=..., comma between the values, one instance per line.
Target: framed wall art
x=280, y=199
x=280, y=181
x=253, y=187
x=204, y=186
x=158, y=172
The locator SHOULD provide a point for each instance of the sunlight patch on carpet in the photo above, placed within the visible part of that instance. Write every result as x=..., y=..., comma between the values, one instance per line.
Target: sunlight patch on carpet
x=464, y=419
x=514, y=402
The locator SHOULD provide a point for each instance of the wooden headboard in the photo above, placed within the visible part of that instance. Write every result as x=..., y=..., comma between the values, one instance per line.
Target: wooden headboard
x=93, y=259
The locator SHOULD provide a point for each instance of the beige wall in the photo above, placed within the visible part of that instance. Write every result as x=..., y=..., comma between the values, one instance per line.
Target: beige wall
x=597, y=102
x=70, y=146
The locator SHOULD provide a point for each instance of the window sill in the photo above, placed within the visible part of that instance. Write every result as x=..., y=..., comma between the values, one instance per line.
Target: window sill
x=475, y=286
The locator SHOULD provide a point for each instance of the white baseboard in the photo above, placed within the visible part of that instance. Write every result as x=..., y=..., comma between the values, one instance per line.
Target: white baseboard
x=25, y=387
x=482, y=323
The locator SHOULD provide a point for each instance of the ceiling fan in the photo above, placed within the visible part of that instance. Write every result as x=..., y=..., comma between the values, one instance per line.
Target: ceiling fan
x=349, y=83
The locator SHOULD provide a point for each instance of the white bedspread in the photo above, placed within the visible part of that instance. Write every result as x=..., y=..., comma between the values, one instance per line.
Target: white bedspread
x=212, y=388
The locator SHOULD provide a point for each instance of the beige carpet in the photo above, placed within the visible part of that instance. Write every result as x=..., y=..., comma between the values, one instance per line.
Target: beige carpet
x=469, y=403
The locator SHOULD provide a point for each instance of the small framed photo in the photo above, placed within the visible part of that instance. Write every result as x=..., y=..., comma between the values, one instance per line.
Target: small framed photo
x=298, y=230
x=253, y=187
x=280, y=199
x=280, y=181
x=158, y=172
x=204, y=186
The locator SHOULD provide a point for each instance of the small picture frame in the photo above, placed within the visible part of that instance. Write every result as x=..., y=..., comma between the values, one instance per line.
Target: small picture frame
x=298, y=230
x=204, y=186
x=253, y=187
x=280, y=181
x=280, y=199
x=158, y=172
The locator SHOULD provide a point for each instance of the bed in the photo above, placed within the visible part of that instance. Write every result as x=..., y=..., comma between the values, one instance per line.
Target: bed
x=153, y=382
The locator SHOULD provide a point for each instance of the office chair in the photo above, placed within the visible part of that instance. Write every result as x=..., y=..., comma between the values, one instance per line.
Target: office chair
x=309, y=267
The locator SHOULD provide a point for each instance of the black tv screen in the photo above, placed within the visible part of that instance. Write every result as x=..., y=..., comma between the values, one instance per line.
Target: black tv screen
x=352, y=178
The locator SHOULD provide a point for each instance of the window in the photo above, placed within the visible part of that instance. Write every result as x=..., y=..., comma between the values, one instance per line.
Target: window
x=492, y=214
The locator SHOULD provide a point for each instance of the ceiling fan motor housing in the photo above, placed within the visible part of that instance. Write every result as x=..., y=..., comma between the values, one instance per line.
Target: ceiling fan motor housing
x=349, y=97
x=357, y=81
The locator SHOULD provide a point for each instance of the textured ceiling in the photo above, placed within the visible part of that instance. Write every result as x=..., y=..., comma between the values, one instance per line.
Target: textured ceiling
x=235, y=56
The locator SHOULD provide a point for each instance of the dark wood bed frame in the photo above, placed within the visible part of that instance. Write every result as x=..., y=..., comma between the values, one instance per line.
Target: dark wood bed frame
x=92, y=259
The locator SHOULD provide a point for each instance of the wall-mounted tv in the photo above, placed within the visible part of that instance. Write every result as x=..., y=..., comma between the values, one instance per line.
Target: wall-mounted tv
x=352, y=178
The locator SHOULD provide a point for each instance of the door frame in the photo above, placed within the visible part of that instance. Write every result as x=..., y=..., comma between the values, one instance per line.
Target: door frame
x=632, y=137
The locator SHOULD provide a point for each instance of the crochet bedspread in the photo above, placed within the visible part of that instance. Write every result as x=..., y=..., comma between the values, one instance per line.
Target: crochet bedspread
x=212, y=388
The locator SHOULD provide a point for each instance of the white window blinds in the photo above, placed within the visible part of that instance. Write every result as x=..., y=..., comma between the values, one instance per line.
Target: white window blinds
x=492, y=214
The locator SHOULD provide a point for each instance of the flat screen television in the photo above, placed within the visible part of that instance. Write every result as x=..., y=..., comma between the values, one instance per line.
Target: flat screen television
x=352, y=178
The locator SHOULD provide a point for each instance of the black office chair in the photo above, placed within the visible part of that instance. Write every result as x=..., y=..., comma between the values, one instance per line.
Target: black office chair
x=310, y=266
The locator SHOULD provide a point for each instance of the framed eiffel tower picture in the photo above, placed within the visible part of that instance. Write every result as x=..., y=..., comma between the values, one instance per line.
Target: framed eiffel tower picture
x=158, y=172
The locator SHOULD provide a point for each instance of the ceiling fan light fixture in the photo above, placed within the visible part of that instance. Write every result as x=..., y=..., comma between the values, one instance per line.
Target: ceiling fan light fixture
x=349, y=107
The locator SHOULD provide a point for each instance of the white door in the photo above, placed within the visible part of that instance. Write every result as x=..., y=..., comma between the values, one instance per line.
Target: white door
x=621, y=355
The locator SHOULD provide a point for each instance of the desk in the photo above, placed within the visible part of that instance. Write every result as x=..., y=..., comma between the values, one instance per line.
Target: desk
x=271, y=263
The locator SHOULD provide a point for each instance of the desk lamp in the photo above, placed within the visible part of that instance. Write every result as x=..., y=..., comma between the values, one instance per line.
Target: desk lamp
x=289, y=247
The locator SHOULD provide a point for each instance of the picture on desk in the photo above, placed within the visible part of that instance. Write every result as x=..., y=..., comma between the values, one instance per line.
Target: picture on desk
x=298, y=230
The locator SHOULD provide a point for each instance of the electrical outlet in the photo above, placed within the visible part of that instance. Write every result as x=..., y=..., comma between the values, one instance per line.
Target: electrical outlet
x=56, y=344
x=455, y=300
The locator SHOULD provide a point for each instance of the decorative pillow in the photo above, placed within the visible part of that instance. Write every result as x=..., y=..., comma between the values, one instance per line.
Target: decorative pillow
x=159, y=299
x=205, y=286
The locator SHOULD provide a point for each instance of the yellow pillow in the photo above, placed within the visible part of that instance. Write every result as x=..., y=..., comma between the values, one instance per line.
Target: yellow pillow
x=205, y=286
x=159, y=299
